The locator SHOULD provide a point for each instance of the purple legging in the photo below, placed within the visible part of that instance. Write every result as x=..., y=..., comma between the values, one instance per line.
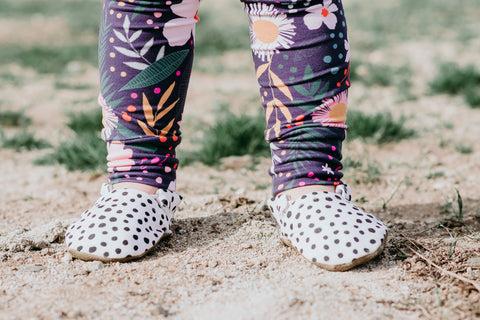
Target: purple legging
x=301, y=55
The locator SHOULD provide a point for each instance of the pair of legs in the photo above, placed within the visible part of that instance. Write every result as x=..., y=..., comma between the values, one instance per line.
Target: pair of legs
x=301, y=56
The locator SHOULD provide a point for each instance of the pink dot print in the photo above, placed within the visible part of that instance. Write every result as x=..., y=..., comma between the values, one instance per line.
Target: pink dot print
x=157, y=90
x=134, y=96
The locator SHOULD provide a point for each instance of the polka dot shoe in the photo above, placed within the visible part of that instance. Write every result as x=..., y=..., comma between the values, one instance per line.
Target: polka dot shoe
x=328, y=229
x=122, y=225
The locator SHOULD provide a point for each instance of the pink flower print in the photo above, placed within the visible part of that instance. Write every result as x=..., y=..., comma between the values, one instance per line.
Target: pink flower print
x=333, y=111
x=178, y=31
x=109, y=120
x=321, y=14
x=119, y=158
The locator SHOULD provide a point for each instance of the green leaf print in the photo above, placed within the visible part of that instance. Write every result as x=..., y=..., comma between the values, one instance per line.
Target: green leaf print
x=158, y=71
x=314, y=89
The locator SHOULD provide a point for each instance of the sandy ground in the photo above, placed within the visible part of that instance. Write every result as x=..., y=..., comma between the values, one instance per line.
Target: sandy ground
x=225, y=259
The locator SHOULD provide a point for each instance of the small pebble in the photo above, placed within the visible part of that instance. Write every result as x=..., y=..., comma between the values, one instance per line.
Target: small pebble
x=98, y=265
x=33, y=268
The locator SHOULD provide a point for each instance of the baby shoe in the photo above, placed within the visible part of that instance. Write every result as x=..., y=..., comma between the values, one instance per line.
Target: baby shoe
x=122, y=225
x=329, y=230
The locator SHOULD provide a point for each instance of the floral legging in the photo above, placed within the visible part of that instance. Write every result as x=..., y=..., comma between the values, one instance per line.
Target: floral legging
x=301, y=55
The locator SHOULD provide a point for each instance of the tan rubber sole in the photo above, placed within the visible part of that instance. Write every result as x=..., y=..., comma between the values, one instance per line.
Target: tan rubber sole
x=91, y=257
x=345, y=266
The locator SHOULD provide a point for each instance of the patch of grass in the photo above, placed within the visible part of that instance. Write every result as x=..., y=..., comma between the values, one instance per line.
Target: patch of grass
x=378, y=128
x=85, y=122
x=213, y=38
x=456, y=80
x=23, y=141
x=82, y=16
x=383, y=76
x=463, y=148
x=49, y=59
x=86, y=151
x=366, y=172
x=434, y=175
x=11, y=78
x=231, y=135
x=453, y=208
x=471, y=95
x=409, y=19
x=9, y=118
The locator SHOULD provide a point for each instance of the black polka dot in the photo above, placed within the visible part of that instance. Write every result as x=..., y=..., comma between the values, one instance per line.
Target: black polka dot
x=146, y=240
x=79, y=248
x=371, y=230
x=125, y=242
x=92, y=249
x=318, y=230
x=349, y=244
x=336, y=241
x=314, y=246
x=340, y=255
x=373, y=241
x=135, y=237
x=326, y=247
x=92, y=236
x=103, y=244
x=289, y=214
x=113, y=219
x=106, y=254
x=326, y=258
x=118, y=250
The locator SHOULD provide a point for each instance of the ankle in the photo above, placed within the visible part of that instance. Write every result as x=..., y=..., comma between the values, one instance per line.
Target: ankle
x=297, y=192
x=135, y=185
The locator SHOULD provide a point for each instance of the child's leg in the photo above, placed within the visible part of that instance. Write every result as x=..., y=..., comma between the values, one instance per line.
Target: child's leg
x=302, y=60
x=145, y=60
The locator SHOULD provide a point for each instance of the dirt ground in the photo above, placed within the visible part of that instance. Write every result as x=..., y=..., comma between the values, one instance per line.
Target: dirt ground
x=225, y=259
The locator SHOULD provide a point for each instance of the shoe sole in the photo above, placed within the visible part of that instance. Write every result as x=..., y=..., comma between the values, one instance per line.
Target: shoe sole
x=345, y=266
x=91, y=257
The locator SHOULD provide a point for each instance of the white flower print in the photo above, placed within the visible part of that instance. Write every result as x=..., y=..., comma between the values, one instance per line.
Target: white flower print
x=269, y=30
x=321, y=14
x=347, y=49
x=178, y=31
x=110, y=120
x=327, y=169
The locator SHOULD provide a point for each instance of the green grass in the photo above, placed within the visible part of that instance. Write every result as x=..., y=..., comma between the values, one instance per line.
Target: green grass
x=389, y=22
x=86, y=151
x=212, y=37
x=456, y=80
x=81, y=16
x=378, y=128
x=231, y=135
x=23, y=141
x=10, y=118
x=48, y=59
